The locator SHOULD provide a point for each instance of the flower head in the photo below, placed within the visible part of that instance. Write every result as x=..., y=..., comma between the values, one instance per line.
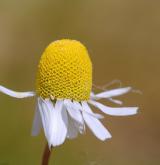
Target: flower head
x=64, y=92
x=65, y=71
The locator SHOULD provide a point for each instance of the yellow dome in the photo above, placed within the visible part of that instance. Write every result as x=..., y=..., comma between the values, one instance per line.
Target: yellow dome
x=65, y=71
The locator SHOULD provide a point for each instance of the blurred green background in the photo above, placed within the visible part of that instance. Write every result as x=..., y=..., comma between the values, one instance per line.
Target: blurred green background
x=123, y=39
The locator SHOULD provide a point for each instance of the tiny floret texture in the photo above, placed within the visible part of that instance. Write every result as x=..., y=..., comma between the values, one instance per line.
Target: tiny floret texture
x=65, y=71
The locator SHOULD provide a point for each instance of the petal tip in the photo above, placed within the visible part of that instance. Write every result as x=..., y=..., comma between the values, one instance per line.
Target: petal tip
x=106, y=137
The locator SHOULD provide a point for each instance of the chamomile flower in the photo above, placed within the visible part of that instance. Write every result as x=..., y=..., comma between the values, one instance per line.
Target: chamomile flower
x=64, y=95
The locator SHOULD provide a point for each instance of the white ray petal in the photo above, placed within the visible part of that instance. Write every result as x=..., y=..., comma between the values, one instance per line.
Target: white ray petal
x=46, y=112
x=60, y=123
x=76, y=115
x=96, y=115
x=115, y=101
x=72, y=129
x=81, y=128
x=124, y=111
x=112, y=93
x=37, y=122
x=15, y=94
x=73, y=112
x=94, y=124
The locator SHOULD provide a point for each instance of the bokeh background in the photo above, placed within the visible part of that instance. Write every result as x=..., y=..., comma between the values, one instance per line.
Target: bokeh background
x=123, y=38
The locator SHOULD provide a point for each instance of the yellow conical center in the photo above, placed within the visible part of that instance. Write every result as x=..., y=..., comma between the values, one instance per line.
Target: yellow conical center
x=65, y=71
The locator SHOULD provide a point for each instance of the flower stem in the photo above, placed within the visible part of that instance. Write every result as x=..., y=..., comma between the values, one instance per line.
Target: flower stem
x=46, y=155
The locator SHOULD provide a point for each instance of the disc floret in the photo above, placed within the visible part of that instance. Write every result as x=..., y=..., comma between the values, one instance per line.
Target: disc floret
x=65, y=71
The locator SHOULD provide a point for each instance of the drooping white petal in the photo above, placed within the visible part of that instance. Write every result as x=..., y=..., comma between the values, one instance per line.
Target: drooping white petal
x=96, y=115
x=94, y=124
x=124, y=111
x=72, y=129
x=46, y=112
x=80, y=127
x=112, y=93
x=73, y=112
x=15, y=94
x=115, y=101
x=60, y=123
x=37, y=122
